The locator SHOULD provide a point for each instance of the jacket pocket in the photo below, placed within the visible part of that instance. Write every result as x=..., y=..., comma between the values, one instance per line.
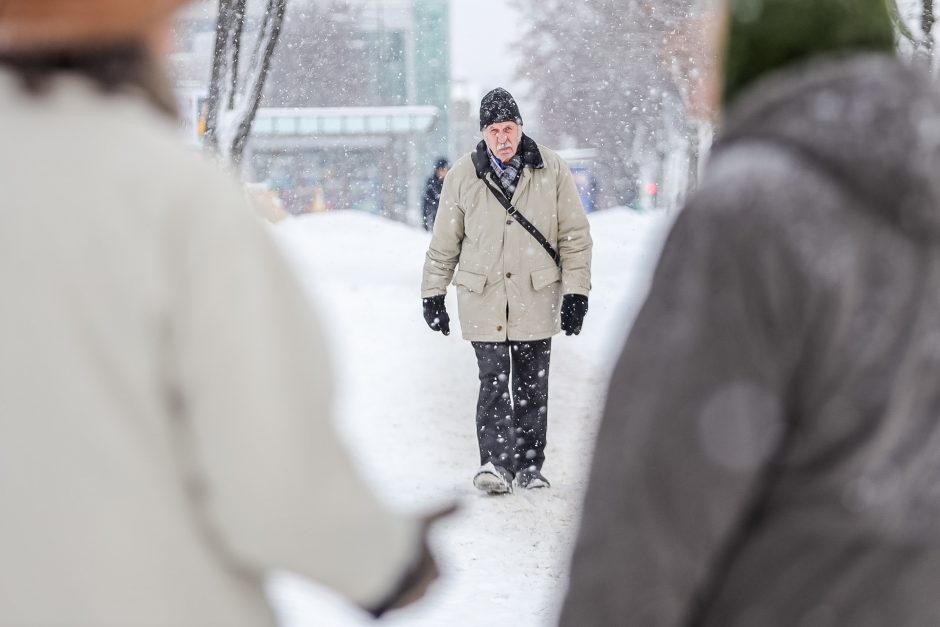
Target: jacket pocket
x=545, y=276
x=470, y=280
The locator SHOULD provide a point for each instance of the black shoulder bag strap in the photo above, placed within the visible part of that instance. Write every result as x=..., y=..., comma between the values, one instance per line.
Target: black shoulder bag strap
x=522, y=220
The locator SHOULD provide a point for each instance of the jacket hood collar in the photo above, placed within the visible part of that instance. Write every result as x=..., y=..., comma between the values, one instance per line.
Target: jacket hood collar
x=531, y=156
x=867, y=120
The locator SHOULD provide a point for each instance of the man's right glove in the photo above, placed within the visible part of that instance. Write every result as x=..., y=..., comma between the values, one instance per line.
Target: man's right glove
x=435, y=314
x=573, y=309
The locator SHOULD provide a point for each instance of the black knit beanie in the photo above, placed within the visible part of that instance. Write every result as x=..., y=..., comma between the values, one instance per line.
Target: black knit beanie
x=766, y=35
x=499, y=106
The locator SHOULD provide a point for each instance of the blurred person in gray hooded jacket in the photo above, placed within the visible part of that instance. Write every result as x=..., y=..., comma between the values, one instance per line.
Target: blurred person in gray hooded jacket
x=165, y=433
x=769, y=455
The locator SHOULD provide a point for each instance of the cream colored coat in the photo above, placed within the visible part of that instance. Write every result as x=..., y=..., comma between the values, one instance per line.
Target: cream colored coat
x=508, y=287
x=165, y=437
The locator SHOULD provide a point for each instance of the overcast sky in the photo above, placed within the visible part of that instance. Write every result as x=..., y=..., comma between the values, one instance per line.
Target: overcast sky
x=482, y=45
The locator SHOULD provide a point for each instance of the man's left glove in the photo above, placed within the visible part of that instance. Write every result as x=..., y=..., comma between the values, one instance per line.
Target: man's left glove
x=573, y=309
x=435, y=314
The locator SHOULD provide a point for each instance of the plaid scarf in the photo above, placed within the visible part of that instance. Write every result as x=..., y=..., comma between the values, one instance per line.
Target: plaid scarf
x=507, y=173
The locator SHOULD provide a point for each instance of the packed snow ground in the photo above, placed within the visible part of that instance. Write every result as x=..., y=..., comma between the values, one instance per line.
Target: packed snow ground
x=405, y=405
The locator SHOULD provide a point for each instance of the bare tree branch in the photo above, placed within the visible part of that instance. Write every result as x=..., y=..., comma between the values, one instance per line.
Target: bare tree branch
x=238, y=30
x=219, y=68
x=899, y=22
x=597, y=70
x=254, y=91
x=235, y=92
x=927, y=20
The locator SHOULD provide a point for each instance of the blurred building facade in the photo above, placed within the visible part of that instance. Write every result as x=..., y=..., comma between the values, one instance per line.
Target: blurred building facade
x=356, y=107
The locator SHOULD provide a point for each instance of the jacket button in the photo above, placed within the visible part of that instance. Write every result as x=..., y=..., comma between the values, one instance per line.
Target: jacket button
x=499, y=328
x=508, y=221
x=509, y=275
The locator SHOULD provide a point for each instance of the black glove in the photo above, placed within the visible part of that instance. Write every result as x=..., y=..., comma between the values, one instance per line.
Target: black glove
x=573, y=309
x=435, y=314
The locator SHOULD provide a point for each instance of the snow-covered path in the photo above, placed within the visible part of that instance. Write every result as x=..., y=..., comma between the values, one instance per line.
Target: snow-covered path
x=405, y=404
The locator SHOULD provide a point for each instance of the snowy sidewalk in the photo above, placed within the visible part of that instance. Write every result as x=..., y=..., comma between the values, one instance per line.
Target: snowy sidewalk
x=405, y=405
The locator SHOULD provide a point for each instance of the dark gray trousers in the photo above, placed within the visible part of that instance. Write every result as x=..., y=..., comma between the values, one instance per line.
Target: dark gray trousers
x=512, y=410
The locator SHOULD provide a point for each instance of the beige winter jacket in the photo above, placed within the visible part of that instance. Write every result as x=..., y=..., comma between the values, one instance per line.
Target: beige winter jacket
x=508, y=287
x=165, y=437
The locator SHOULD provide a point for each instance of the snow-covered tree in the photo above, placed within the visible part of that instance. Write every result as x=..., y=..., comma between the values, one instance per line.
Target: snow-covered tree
x=916, y=20
x=604, y=75
x=236, y=86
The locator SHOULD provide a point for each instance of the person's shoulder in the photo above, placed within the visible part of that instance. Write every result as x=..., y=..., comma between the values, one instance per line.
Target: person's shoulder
x=548, y=155
x=162, y=154
x=463, y=172
x=193, y=182
x=756, y=192
x=122, y=133
x=753, y=175
x=551, y=160
x=463, y=166
x=163, y=137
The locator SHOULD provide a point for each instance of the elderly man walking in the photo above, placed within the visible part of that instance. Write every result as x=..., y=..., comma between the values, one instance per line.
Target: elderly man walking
x=512, y=234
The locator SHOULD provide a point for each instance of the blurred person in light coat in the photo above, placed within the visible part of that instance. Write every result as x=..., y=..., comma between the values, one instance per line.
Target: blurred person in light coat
x=165, y=436
x=769, y=455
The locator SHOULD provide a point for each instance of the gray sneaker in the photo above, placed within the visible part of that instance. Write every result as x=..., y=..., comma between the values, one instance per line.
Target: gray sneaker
x=493, y=479
x=530, y=479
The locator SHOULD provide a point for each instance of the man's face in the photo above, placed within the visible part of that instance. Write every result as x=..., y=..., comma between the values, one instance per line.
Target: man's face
x=503, y=139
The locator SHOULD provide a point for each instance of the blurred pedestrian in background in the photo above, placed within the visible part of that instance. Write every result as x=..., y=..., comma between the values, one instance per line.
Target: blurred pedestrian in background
x=165, y=436
x=770, y=451
x=432, y=192
x=517, y=244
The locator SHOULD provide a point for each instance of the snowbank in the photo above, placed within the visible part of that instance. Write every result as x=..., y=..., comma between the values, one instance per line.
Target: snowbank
x=405, y=404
